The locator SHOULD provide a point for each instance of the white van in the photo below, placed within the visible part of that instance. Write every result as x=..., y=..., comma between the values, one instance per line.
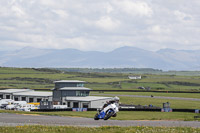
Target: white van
x=5, y=102
x=26, y=107
x=15, y=104
x=60, y=106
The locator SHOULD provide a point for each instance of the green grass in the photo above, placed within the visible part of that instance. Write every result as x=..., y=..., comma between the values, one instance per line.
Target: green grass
x=88, y=114
x=43, y=79
x=183, y=95
x=103, y=129
x=142, y=115
x=159, y=78
x=174, y=104
x=7, y=70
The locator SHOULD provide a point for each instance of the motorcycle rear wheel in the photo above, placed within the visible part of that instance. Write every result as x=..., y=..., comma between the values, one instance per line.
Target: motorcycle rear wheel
x=96, y=116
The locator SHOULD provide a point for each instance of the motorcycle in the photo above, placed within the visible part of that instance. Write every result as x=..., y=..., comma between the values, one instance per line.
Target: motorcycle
x=109, y=111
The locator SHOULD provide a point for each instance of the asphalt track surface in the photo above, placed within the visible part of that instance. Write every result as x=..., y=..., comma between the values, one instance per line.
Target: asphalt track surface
x=7, y=119
x=156, y=97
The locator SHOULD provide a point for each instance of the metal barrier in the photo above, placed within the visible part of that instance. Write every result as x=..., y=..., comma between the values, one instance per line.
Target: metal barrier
x=121, y=109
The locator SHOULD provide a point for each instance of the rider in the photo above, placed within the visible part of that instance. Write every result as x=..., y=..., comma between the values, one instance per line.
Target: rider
x=113, y=100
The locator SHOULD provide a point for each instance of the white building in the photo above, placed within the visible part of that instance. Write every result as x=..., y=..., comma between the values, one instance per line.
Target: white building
x=135, y=77
x=86, y=102
x=33, y=96
x=8, y=93
x=73, y=94
x=66, y=92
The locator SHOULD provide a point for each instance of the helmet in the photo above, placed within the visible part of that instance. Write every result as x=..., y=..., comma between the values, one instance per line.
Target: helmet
x=115, y=98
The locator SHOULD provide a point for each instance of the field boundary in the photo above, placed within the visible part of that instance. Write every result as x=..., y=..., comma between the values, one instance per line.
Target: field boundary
x=101, y=91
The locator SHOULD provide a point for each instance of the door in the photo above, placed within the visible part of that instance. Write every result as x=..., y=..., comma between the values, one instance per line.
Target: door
x=30, y=100
x=16, y=99
x=23, y=98
x=39, y=99
x=7, y=96
x=68, y=104
x=85, y=105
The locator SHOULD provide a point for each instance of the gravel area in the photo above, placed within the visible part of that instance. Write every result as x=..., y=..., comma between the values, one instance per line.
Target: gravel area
x=7, y=119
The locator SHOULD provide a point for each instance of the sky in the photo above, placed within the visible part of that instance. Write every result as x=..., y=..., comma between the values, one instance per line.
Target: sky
x=100, y=25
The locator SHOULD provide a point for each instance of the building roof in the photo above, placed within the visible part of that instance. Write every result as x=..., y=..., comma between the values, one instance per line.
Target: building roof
x=14, y=90
x=75, y=88
x=34, y=93
x=69, y=81
x=87, y=98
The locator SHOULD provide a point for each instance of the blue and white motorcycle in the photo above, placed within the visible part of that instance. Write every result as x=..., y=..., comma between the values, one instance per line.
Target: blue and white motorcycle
x=109, y=111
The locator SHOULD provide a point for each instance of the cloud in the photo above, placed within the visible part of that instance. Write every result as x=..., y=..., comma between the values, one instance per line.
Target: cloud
x=99, y=25
x=138, y=8
x=182, y=16
x=157, y=29
x=61, y=13
x=107, y=23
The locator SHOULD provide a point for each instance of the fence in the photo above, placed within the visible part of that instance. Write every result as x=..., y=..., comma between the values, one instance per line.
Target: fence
x=121, y=109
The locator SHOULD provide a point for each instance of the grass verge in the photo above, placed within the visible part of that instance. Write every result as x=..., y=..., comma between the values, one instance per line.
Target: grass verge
x=105, y=129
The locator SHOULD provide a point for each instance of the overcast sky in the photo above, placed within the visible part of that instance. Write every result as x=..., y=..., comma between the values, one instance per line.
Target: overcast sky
x=100, y=25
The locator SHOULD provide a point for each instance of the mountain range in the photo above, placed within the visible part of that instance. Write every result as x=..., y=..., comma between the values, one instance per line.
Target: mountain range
x=129, y=57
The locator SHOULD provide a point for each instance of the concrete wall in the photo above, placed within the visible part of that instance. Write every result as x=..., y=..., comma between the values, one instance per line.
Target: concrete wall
x=57, y=95
x=99, y=103
x=81, y=104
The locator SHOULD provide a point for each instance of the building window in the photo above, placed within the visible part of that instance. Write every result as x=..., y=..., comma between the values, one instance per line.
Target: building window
x=68, y=104
x=79, y=85
x=23, y=98
x=30, y=100
x=16, y=99
x=1, y=96
x=7, y=96
x=39, y=99
x=75, y=105
x=85, y=105
x=78, y=93
x=82, y=93
x=45, y=103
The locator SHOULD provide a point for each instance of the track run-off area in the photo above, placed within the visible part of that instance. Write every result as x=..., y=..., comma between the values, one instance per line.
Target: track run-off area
x=8, y=119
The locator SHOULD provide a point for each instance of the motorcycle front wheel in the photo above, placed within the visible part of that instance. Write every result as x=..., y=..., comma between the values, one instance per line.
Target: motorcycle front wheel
x=108, y=115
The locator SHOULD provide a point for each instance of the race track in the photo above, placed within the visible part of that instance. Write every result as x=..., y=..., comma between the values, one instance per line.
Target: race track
x=7, y=119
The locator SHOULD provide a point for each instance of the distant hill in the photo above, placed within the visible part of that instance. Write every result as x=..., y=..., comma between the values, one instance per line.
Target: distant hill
x=124, y=57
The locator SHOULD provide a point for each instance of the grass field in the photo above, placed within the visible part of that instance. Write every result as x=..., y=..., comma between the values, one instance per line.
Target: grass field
x=43, y=79
x=174, y=104
x=183, y=95
x=103, y=129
